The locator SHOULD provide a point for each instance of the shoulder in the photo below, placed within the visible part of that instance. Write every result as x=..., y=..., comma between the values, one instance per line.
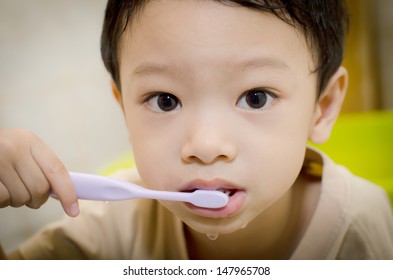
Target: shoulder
x=353, y=218
x=367, y=198
x=370, y=220
x=358, y=196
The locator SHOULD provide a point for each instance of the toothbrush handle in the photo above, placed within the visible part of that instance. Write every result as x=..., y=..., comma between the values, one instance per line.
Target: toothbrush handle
x=94, y=187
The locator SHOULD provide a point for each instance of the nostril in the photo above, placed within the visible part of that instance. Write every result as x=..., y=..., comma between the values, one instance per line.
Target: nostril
x=223, y=158
x=206, y=161
x=194, y=159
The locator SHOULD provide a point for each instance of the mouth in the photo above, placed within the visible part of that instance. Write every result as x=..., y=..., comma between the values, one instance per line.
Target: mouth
x=235, y=194
x=228, y=192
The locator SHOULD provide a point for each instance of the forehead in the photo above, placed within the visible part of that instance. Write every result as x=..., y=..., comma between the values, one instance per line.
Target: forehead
x=210, y=28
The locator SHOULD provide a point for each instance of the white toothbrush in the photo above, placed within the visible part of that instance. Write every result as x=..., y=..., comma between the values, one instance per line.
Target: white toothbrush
x=94, y=187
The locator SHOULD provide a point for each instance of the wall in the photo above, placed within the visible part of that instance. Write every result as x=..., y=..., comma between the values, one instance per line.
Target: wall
x=384, y=22
x=52, y=82
x=368, y=56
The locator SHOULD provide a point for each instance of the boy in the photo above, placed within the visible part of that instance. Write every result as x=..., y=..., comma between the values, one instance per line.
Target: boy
x=216, y=95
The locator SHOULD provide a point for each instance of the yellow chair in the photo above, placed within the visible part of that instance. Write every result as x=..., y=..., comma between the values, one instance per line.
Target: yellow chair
x=363, y=142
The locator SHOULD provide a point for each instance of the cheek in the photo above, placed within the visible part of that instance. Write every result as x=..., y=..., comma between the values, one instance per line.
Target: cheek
x=277, y=157
x=153, y=150
x=277, y=167
x=149, y=159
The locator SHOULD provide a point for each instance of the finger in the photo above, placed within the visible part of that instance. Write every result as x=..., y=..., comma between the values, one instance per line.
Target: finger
x=57, y=176
x=35, y=181
x=17, y=190
x=5, y=198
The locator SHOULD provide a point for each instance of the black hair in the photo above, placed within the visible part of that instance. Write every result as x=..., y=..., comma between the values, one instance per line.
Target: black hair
x=324, y=24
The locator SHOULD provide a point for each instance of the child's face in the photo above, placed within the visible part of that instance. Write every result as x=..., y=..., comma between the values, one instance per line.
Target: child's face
x=217, y=97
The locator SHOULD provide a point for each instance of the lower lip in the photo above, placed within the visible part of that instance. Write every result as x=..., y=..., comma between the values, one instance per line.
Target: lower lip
x=235, y=203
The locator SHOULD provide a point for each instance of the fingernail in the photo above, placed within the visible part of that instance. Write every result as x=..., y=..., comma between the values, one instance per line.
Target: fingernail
x=74, y=210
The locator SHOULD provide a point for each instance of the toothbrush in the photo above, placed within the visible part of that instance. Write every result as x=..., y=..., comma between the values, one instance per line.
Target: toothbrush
x=94, y=187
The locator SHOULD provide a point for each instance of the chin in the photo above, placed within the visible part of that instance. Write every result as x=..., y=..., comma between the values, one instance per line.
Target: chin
x=205, y=225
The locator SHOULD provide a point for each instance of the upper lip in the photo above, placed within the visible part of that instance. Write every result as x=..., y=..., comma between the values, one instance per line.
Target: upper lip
x=214, y=184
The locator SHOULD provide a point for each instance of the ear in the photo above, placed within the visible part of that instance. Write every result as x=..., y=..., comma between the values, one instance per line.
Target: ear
x=117, y=95
x=328, y=107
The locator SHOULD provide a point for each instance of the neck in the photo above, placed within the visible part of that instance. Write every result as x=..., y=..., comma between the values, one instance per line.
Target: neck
x=273, y=234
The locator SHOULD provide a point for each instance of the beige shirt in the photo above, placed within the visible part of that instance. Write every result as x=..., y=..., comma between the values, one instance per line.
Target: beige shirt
x=353, y=220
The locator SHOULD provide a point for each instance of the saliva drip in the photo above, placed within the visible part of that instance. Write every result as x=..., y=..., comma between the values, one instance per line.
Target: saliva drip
x=243, y=226
x=212, y=236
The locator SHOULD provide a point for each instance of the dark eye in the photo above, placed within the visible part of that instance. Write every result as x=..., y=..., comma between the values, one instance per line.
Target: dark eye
x=163, y=102
x=256, y=99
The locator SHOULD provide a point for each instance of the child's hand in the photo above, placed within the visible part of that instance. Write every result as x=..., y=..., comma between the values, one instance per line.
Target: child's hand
x=29, y=170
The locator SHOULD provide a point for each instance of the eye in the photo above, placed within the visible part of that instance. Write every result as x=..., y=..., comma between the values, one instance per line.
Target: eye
x=256, y=99
x=163, y=102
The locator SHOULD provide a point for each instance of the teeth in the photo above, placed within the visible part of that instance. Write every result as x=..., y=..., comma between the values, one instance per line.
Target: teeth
x=226, y=191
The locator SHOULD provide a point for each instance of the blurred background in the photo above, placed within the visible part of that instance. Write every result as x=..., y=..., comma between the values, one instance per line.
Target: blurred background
x=369, y=56
x=52, y=82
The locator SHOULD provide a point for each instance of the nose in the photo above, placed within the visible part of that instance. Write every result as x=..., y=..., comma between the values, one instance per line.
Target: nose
x=208, y=143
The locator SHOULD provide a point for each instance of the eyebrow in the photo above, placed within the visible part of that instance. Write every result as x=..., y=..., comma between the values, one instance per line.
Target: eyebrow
x=153, y=68
x=262, y=62
x=259, y=62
